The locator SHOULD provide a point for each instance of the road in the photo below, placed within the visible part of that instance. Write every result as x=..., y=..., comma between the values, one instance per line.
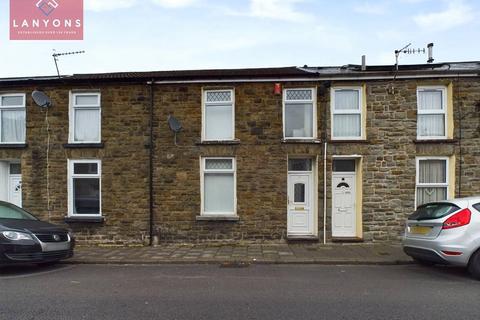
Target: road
x=253, y=292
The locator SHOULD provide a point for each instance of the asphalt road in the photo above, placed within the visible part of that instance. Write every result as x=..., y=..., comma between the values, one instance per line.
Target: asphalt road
x=254, y=292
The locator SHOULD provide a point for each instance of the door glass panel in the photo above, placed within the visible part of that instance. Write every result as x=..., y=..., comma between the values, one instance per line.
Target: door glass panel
x=15, y=168
x=343, y=165
x=300, y=165
x=299, y=193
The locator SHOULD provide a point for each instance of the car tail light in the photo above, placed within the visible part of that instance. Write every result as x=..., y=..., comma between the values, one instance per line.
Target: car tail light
x=459, y=219
x=452, y=253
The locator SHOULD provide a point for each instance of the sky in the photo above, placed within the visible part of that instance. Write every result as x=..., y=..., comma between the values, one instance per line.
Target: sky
x=145, y=35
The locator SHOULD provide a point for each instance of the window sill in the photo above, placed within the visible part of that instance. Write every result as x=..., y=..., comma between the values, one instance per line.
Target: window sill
x=302, y=141
x=84, y=145
x=84, y=219
x=218, y=142
x=348, y=141
x=217, y=218
x=347, y=239
x=13, y=146
x=417, y=141
x=302, y=238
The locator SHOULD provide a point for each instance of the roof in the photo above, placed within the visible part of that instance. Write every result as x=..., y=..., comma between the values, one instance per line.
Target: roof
x=283, y=73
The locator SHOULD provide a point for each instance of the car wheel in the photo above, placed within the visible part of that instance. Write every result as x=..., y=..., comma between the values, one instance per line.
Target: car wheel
x=474, y=265
x=424, y=262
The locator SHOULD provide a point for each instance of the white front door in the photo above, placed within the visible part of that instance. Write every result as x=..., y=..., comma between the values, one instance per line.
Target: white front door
x=15, y=190
x=300, y=220
x=344, y=209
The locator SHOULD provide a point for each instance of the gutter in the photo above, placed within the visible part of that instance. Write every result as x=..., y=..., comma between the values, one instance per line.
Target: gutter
x=320, y=78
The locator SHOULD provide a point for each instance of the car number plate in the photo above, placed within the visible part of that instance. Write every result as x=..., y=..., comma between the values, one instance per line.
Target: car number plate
x=420, y=230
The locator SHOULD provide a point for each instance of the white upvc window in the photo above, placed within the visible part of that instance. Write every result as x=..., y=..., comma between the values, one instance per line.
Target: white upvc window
x=432, y=179
x=431, y=112
x=84, y=188
x=218, y=191
x=12, y=122
x=218, y=115
x=299, y=113
x=347, y=113
x=85, y=117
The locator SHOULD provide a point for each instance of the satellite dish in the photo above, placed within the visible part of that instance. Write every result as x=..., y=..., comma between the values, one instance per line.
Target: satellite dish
x=174, y=124
x=41, y=99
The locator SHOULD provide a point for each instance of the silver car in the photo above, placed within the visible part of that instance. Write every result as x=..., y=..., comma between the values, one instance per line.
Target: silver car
x=446, y=232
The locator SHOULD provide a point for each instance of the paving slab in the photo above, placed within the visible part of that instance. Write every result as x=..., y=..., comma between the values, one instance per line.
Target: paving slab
x=386, y=254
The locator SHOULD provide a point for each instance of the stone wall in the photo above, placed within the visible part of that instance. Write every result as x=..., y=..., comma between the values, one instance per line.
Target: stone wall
x=124, y=158
x=388, y=154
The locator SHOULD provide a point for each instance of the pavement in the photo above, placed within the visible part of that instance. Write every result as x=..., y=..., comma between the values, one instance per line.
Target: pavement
x=238, y=254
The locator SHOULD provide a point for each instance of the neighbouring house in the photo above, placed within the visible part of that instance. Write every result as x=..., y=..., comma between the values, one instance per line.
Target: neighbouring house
x=264, y=154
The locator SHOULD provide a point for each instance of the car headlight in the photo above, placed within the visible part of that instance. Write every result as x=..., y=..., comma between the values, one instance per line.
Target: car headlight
x=15, y=236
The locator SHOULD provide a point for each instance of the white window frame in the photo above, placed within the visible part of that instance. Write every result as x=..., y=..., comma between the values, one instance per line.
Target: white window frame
x=431, y=185
x=360, y=112
x=205, y=104
x=14, y=108
x=443, y=89
x=313, y=101
x=72, y=175
x=202, y=186
x=73, y=107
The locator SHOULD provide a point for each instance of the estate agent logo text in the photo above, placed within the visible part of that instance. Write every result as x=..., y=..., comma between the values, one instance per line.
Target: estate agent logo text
x=46, y=19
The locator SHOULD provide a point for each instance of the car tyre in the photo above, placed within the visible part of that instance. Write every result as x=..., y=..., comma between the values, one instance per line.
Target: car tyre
x=474, y=265
x=423, y=262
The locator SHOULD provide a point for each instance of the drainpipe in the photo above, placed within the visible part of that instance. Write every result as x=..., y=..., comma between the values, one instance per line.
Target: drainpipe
x=325, y=192
x=327, y=85
x=460, y=133
x=150, y=167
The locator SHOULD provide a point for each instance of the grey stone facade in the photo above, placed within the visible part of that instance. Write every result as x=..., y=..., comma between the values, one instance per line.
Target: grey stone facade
x=388, y=153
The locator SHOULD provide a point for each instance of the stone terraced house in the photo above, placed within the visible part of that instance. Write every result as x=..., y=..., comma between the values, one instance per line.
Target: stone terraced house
x=328, y=153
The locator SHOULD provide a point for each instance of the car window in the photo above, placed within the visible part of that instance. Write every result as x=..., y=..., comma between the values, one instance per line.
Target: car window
x=433, y=211
x=477, y=206
x=8, y=211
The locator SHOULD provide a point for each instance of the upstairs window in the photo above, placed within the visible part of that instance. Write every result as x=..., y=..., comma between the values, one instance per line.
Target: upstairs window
x=218, y=115
x=347, y=113
x=299, y=114
x=12, y=114
x=85, y=118
x=431, y=113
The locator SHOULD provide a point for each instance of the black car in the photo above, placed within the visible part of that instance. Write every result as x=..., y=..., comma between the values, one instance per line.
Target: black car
x=24, y=239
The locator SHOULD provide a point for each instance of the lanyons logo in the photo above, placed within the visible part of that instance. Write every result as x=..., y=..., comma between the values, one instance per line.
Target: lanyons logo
x=47, y=6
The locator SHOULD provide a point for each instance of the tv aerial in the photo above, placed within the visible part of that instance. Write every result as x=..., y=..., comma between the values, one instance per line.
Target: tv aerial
x=41, y=99
x=56, y=55
x=407, y=50
x=175, y=126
